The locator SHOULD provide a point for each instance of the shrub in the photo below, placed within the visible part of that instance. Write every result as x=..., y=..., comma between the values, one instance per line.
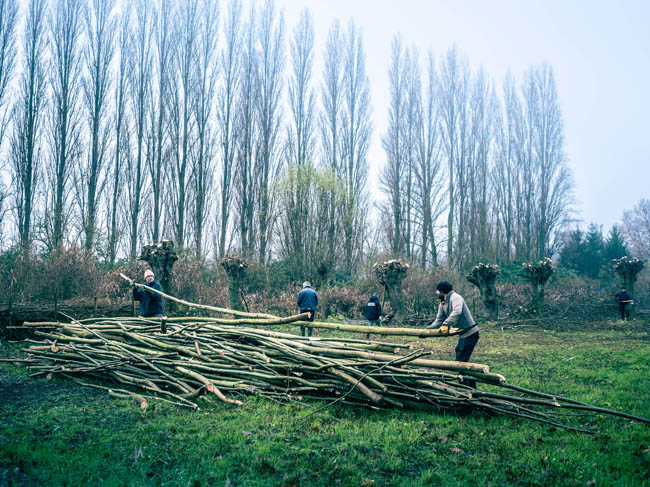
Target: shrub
x=68, y=273
x=345, y=301
x=199, y=282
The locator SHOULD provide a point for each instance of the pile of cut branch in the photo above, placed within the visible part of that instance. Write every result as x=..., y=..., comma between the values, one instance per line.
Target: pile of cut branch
x=191, y=360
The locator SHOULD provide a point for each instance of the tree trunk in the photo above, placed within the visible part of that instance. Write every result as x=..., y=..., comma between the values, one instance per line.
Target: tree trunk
x=391, y=274
x=235, y=267
x=537, y=274
x=484, y=277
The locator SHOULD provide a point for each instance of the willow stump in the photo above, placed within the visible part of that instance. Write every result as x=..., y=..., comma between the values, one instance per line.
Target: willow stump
x=391, y=274
x=628, y=269
x=537, y=273
x=484, y=277
x=161, y=257
x=235, y=268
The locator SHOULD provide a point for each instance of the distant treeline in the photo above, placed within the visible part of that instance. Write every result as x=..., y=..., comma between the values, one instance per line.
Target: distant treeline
x=205, y=123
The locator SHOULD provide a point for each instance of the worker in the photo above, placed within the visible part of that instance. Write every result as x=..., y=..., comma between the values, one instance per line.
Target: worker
x=151, y=305
x=373, y=312
x=307, y=301
x=624, y=300
x=453, y=311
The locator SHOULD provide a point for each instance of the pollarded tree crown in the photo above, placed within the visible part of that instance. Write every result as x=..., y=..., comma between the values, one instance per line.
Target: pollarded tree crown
x=483, y=274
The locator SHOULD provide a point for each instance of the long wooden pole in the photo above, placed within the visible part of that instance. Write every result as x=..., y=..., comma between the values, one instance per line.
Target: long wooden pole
x=200, y=306
x=269, y=320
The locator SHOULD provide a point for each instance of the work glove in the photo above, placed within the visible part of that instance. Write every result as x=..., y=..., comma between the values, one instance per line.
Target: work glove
x=444, y=330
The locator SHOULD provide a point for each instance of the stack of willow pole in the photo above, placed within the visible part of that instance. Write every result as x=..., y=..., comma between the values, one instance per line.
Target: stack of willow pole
x=192, y=361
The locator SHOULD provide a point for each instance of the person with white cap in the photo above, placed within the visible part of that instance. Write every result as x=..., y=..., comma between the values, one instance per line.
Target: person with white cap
x=307, y=302
x=151, y=305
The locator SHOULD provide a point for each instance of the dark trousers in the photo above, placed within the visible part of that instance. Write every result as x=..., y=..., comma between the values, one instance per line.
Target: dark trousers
x=624, y=309
x=372, y=323
x=311, y=318
x=464, y=351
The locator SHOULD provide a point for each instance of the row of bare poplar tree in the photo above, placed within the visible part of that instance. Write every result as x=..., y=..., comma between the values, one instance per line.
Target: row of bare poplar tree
x=494, y=167
x=127, y=122
x=169, y=119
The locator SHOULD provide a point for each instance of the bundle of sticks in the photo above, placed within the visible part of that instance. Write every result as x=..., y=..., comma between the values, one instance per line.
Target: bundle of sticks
x=189, y=360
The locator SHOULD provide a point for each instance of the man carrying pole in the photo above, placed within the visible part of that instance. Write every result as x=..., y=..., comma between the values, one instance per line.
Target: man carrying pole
x=453, y=311
x=624, y=300
x=151, y=305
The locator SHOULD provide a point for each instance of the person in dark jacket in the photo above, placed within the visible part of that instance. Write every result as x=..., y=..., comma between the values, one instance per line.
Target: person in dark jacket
x=151, y=305
x=624, y=300
x=373, y=312
x=453, y=311
x=307, y=301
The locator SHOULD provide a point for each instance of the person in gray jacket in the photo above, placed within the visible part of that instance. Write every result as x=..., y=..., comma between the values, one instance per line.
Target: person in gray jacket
x=307, y=301
x=453, y=312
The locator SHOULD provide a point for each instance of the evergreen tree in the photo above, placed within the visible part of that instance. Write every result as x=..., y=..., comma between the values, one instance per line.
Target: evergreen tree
x=573, y=250
x=615, y=247
x=594, y=247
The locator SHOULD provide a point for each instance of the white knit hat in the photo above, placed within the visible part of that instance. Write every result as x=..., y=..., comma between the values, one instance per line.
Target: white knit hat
x=148, y=272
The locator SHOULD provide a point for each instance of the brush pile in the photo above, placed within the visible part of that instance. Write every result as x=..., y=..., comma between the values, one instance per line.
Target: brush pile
x=194, y=359
x=185, y=360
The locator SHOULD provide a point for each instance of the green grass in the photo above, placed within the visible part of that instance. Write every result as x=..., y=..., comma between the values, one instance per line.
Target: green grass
x=57, y=433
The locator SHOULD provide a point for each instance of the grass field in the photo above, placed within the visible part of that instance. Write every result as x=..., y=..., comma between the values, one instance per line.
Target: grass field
x=57, y=433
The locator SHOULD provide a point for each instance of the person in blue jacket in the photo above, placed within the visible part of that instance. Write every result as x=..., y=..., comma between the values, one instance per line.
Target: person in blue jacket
x=307, y=301
x=151, y=305
x=373, y=312
x=623, y=299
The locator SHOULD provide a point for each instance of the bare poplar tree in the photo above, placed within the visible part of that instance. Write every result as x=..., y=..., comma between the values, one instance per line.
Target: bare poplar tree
x=356, y=134
x=28, y=113
x=463, y=166
x=412, y=113
x=482, y=112
x=298, y=191
x=301, y=97
x=527, y=173
x=509, y=139
x=247, y=140
x=182, y=123
x=330, y=123
x=270, y=42
x=140, y=71
x=121, y=138
x=230, y=63
x=428, y=168
x=392, y=175
x=452, y=83
x=98, y=54
x=206, y=78
x=636, y=228
x=161, y=92
x=8, y=18
x=555, y=191
x=65, y=142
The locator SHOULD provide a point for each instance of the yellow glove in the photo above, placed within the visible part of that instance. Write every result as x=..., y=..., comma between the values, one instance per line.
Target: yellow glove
x=444, y=329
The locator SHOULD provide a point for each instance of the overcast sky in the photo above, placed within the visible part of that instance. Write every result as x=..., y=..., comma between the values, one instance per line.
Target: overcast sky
x=600, y=52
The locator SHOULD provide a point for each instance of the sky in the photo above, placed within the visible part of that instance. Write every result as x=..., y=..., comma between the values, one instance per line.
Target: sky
x=599, y=51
